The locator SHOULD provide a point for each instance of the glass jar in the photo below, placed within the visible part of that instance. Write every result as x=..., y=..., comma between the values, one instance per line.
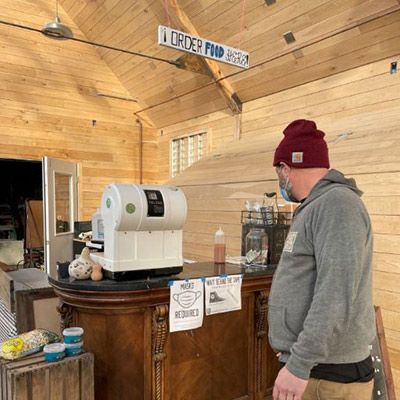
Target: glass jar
x=256, y=247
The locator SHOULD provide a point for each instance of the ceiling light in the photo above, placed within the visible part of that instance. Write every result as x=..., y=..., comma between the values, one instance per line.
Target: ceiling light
x=57, y=30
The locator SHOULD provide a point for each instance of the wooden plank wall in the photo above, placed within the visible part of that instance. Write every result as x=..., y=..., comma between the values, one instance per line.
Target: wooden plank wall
x=364, y=102
x=48, y=101
x=220, y=128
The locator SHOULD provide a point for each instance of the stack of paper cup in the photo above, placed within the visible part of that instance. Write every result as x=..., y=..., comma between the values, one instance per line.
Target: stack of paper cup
x=73, y=340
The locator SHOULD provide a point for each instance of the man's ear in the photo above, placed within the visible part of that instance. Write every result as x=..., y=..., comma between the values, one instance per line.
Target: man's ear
x=285, y=167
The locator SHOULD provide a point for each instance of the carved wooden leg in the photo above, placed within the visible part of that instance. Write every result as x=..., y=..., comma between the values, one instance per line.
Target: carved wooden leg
x=159, y=337
x=261, y=308
x=65, y=311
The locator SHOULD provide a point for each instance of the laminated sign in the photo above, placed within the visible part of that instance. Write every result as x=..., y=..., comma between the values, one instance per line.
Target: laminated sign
x=183, y=41
x=223, y=293
x=186, y=305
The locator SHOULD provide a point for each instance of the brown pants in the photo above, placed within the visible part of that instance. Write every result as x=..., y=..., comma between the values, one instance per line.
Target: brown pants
x=319, y=389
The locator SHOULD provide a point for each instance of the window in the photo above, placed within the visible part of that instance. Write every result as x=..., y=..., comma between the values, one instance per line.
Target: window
x=63, y=185
x=186, y=150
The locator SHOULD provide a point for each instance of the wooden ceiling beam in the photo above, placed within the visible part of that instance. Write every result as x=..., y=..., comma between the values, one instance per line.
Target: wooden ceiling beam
x=225, y=88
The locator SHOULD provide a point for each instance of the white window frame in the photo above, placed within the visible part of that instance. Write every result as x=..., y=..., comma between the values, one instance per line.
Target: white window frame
x=188, y=156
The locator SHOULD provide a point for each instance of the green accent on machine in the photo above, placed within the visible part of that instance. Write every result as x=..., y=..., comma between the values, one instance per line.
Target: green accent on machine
x=130, y=208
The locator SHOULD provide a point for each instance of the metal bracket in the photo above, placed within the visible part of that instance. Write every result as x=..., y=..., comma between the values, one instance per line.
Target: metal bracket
x=289, y=37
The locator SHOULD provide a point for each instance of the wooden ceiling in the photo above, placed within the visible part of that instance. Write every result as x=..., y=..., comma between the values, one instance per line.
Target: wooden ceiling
x=331, y=36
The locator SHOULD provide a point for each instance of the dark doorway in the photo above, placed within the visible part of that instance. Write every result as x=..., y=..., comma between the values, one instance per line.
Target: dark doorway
x=21, y=217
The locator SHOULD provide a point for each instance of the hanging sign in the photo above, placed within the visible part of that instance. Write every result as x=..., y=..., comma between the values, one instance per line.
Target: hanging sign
x=186, y=305
x=202, y=47
x=223, y=294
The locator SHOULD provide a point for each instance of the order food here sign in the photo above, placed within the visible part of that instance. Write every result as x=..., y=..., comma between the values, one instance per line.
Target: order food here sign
x=202, y=47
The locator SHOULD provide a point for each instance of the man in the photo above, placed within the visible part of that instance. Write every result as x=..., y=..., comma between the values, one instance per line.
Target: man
x=321, y=316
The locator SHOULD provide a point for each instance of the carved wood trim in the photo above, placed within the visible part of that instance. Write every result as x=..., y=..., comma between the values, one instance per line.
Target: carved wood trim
x=261, y=309
x=65, y=311
x=159, y=333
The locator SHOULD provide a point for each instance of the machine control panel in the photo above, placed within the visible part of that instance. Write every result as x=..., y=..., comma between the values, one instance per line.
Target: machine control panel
x=155, y=203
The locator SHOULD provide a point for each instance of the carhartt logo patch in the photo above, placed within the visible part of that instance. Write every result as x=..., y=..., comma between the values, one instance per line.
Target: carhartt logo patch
x=297, y=157
x=289, y=242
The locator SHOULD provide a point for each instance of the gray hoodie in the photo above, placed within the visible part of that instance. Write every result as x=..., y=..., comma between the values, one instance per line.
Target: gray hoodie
x=320, y=305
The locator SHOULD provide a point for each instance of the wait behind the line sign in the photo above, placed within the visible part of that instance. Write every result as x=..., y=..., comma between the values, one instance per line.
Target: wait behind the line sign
x=202, y=47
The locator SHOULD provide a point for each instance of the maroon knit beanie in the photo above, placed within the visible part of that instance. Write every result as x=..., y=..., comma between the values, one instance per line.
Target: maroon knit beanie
x=303, y=146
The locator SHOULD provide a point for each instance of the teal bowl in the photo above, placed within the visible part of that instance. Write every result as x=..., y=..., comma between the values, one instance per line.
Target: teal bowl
x=73, y=335
x=54, y=352
x=73, y=349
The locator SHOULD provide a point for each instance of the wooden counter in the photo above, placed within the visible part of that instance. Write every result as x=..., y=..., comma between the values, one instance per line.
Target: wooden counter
x=126, y=328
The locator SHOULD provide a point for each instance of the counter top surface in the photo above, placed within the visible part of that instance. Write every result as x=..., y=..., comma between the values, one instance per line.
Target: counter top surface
x=190, y=271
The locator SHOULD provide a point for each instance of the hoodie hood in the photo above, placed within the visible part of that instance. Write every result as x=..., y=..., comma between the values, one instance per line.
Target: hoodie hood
x=332, y=179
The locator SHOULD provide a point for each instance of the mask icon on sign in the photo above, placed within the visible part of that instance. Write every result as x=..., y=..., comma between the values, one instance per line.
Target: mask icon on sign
x=186, y=299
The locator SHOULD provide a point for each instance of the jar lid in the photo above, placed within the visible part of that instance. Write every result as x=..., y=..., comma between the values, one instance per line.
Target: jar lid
x=54, y=348
x=75, y=331
x=73, y=345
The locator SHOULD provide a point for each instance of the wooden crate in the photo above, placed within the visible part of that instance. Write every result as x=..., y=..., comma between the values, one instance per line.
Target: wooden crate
x=22, y=279
x=33, y=378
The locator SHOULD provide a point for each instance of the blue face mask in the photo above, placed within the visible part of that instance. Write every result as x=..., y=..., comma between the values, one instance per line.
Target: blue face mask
x=285, y=193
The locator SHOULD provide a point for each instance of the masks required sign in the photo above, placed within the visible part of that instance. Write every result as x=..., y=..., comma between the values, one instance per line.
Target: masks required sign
x=186, y=305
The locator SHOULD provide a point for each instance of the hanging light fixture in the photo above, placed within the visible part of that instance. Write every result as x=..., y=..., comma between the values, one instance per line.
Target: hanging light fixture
x=57, y=30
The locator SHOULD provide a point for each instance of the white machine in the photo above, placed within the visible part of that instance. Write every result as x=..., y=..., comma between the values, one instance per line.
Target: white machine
x=142, y=229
